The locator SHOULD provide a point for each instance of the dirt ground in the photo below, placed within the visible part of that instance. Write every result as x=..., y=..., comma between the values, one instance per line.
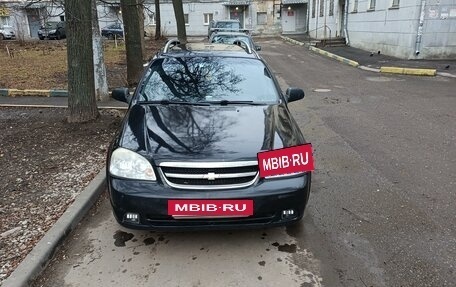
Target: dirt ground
x=46, y=162
x=43, y=64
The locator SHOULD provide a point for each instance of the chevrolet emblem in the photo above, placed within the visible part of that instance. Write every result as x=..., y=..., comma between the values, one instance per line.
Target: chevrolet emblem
x=210, y=176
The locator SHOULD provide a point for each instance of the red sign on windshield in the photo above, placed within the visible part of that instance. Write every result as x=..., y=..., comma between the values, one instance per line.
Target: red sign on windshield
x=286, y=161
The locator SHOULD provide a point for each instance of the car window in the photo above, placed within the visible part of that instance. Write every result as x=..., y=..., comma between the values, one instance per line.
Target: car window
x=229, y=39
x=51, y=25
x=197, y=79
x=228, y=25
x=232, y=39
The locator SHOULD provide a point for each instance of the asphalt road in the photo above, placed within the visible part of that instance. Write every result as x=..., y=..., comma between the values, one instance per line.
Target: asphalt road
x=381, y=212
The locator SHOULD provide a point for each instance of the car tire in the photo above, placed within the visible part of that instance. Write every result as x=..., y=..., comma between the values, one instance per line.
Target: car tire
x=41, y=38
x=2, y=37
x=58, y=36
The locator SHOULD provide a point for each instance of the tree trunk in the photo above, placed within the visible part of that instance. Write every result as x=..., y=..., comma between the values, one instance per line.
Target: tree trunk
x=82, y=105
x=101, y=82
x=134, y=40
x=157, y=20
x=180, y=21
x=140, y=9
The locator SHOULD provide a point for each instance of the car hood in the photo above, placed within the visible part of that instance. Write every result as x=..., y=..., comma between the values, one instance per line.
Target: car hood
x=207, y=133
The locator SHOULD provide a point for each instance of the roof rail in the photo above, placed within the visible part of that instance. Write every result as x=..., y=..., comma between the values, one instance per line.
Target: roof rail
x=170, y=44
x=246, y=45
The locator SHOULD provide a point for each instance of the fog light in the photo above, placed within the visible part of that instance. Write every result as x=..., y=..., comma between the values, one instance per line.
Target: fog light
x=132, y=217
x=287, y=213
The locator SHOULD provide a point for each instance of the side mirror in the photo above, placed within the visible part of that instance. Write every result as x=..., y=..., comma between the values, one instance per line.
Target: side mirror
x=121, y=94
x=294, y=94
x=258, y=48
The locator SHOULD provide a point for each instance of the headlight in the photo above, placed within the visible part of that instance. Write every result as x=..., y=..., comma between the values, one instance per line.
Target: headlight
x=128, y=164
x=52, y=31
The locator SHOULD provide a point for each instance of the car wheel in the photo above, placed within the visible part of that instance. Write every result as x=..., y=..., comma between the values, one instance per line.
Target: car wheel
x=58, y=36
x=41, y=37
x=2, y=37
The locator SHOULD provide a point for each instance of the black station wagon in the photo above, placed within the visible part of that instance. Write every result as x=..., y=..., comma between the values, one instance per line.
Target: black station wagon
x=185, y=156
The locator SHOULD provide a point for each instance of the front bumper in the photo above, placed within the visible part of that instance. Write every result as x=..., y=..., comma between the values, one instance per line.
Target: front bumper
x=150, y=201
x=9, y=37
x=47, y=35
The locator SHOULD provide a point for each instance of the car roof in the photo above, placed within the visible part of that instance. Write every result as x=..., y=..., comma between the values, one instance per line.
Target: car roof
x=231, y=34
x=227, y=20
x=206, y=49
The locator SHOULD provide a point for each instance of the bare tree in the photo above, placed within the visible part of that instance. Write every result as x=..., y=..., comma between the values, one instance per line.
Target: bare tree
x=140, y=9
x=157, y=20
x=180, y=21
x=82, y=105
x=134, y=38
x=101, y=82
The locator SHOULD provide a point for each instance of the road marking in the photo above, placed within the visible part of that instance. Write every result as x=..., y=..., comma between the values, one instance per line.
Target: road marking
x=322, y=90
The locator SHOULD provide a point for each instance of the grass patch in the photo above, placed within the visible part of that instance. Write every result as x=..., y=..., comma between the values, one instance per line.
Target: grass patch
x=43, y=64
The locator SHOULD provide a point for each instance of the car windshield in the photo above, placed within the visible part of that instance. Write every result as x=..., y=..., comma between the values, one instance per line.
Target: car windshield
x=228, y=25
x=51, y=25
x=206, y=79
x=229, y=39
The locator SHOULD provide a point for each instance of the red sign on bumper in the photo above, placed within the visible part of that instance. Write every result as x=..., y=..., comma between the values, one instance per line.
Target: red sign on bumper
x=193, y=207
x=286, y=160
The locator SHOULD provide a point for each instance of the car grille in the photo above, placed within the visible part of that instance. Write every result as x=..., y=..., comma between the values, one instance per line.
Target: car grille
x=209, y=175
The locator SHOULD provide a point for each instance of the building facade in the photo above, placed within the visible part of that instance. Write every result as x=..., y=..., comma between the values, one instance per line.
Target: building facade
x=262, y=17
x=26, y=17
x=408, y=29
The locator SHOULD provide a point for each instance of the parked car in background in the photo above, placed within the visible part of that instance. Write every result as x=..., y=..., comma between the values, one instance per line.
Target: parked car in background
x=185, y=156
x=224, y=25
x=233, y=37
x=113, y=31
x=52, y=30
x=7, y=32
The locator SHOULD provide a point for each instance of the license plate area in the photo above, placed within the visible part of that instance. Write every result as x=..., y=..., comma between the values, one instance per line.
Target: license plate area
x=206, y=209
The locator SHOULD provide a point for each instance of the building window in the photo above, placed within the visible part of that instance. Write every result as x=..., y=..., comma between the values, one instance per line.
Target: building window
x=331, y=7
x=313, y=8
x=208, y=18
x=395, y=4
x=322, y=8
x=355, y=6
x=151, y=18
x=186, y=18
x=262, y=18
x=372, y=5
x=5, y=20
x=4, y=16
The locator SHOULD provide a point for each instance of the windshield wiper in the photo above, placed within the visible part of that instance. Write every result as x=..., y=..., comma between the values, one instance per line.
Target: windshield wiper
x=227, y=102
x=168, y=102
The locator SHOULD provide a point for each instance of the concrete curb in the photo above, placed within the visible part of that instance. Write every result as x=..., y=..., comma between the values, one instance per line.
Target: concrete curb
x=408, y=71
x=391, y=70
x=369, y=69
x=42, y=253
x=334, y=56
x=292, y=41
x=57, y=106
x=443, y=74
x=39, y=93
